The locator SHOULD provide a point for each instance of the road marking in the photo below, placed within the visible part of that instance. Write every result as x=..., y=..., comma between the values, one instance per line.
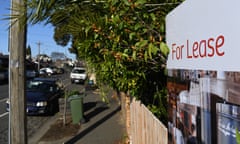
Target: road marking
x=3, y=100
x=2, y=115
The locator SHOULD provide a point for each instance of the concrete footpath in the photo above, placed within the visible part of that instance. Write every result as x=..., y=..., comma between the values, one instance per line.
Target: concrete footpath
x=104, y=123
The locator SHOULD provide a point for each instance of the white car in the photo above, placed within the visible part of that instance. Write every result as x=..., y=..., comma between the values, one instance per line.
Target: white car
x=48, y=70
x=78, y=75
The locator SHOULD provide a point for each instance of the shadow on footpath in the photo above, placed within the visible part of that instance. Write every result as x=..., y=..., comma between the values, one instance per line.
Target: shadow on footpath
x=89, y=105
x=93, y=126
x=99, y=107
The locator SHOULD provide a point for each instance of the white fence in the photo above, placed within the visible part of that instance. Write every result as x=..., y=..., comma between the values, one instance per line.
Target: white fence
x=145, y=128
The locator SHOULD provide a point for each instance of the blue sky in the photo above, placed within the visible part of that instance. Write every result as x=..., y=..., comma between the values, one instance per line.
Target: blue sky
x=36, y=33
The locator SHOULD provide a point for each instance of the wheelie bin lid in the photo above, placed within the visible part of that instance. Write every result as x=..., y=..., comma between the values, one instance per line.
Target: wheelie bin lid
x=76, y=96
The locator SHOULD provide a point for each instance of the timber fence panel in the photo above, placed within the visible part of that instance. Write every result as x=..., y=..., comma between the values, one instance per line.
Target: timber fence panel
x=145, y=128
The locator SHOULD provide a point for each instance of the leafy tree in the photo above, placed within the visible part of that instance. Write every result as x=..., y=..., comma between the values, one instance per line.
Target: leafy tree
x=57, y=55
x=29, y=51
x=237, y=136
x=122, y=40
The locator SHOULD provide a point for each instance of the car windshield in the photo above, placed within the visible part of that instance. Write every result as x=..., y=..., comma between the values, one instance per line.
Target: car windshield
x=78, y=71
x=40, y=86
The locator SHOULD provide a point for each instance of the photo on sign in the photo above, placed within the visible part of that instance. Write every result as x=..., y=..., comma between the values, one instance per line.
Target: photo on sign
x=203, y=106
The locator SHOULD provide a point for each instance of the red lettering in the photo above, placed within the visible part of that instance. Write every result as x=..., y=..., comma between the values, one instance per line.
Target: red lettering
x=206, y=48
x=173, y=51
x=195, y=49
x=202, y=48
x=210, y=40
x=188, y=55
x=177, y=51
x=219, y=44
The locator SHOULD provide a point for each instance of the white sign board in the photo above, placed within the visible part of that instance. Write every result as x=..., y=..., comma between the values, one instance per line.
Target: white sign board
x=205, y=35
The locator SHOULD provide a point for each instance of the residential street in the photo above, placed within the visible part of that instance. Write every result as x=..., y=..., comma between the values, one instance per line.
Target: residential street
x=33, y=122
x=104, y=124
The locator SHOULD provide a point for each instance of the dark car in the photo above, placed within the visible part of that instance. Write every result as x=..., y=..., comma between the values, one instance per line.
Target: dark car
x=61, y=70
x=31, y=74
x=42, y=96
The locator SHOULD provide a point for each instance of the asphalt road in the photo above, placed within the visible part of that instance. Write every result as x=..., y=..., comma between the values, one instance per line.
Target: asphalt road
x=33, y=122
x=3, y=114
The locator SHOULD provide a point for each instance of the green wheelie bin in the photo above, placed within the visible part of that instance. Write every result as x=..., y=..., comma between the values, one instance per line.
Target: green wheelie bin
x=76, y=106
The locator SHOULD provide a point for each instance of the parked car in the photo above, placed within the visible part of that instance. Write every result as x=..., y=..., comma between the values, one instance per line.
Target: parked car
x=54, y=69
x=78, y=75
x=48, y=70
x=43, y=73
x=31, y=73
x=57, y=70
x=61, y=70
x=42, y=96
x=3, y=76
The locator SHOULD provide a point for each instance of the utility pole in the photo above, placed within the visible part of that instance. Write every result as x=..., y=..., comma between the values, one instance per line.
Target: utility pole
x=39, y=44
x=17, y=46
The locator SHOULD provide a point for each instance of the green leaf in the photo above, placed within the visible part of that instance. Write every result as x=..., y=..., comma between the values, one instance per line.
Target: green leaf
x=145, y=30
x=115, y=19
x=141, y=43
x=140, y=2
x=164, y=49
x=117, y=39
x=153, y=16
x=96, y=36
x=150, y=47
x=131, y=35
x=114, y=2
x=155, y=49
x=137, y=26
x=125, y=51
x=145, y=15
x=134, y=18
x=162, y=28
x=126, y=2
x=125, y=55
x=134, y=55
x=121, y=25
x=87, y=30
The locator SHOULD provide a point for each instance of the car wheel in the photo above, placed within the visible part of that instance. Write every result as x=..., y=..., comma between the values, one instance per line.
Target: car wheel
x=83, y=82
x=51, y=109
